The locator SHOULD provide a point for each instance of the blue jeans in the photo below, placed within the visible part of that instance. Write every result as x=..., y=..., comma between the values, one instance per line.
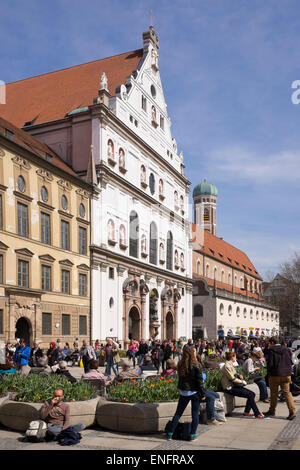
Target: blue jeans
x=182, y=404
x=141, y=358
x=210, y=398
x=245, y=393
x=110, y=365
x=54, y=429
x=263, y=391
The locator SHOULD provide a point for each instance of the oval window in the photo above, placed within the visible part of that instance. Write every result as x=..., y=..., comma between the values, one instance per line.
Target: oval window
x=82, y=210
x=64, y=202
x=44, y=194
x=21, y=184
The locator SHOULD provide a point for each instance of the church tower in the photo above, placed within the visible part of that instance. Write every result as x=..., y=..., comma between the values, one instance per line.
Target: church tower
x=205, y=206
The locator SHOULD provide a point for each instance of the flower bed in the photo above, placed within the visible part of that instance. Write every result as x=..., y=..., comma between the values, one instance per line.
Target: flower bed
x=37, y=388
x=148, y=391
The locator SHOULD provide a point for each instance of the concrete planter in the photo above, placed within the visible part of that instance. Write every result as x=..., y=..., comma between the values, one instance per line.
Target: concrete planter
x=17, y=415
x=138, y=418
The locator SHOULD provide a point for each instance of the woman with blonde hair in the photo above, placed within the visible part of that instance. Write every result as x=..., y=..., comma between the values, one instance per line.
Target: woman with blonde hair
x=191, y=388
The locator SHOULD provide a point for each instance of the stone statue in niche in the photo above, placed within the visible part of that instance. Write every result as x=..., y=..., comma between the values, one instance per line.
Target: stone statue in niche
x=153, y=111
x=154, y=59
x=144, y=244
x=176, y=258
x=143, y=174
x=122, y=235
x=153, y=307
x=176, y=198
x=104, y=82
x=110, y=150
x=182, y=260
x=121, y=158
x=111, y=230
x=161, y=187
x=161, y=251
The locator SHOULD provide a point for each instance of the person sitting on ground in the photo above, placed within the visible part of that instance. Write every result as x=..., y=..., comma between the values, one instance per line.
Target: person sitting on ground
x=171, y=368
x=65, y=352
x=126, y=371
x=35, y=353
x=62, y=370
x=7, y=368
x=53, y=354
x=43, y=364
x=147, y=368
x=233, y=384
x=93, y=373
x=211, y=362
x=56, y=413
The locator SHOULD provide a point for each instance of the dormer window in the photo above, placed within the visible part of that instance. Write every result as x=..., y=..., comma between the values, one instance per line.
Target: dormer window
x=9, y=135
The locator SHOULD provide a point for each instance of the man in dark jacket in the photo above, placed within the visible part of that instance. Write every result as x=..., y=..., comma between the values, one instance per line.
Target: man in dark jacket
x=279, y=370
x=167, y=353
x=158, y=357
x=143, y=350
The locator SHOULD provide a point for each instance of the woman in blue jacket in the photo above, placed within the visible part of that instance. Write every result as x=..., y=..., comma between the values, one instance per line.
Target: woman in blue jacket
x=21, y=357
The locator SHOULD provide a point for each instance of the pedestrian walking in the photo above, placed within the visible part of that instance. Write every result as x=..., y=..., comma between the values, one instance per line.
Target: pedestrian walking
x=87, y=353
x=279, y=371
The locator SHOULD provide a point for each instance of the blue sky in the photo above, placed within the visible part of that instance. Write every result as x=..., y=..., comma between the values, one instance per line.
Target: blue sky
x=227, y=67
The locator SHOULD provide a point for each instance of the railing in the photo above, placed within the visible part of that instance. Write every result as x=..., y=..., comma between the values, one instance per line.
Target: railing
x=243, y=298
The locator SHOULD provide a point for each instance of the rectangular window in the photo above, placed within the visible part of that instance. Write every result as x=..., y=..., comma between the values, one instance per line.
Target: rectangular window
x=144, y=103
x=46, y=277
x=111, y=273
x=45, y=228
x=82, y=325
x=46, y=323
x=22, y=220
x=65, y=327
x=65, y=235
x=23, y=273
x=162, y=123
x=65, y=281
x=82, y=285
x=1, y=269
x=82, y=241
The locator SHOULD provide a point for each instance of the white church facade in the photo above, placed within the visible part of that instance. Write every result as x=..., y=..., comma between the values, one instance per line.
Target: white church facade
x=140, y=249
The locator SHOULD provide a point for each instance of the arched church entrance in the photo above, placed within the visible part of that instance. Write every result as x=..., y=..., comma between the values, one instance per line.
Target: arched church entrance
x=24, y=330
x=134, y=326
x=170, y=326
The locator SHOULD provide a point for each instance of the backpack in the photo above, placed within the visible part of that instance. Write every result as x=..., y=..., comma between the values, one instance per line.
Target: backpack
x=182, y=431
x=36, y=431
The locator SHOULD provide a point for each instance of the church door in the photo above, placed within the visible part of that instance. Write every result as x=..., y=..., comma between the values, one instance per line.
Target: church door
x=24, y=330
x=134, y=324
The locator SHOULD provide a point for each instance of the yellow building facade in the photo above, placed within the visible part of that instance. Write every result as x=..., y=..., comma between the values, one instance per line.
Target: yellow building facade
x=44, y=243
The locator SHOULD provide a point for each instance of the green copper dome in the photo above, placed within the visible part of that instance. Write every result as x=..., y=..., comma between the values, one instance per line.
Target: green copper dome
x=205, y=188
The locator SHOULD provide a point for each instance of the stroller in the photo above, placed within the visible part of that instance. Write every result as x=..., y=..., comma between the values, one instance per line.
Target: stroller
x=295, y=383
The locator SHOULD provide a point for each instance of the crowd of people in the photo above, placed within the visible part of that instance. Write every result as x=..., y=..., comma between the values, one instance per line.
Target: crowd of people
x=188, y=360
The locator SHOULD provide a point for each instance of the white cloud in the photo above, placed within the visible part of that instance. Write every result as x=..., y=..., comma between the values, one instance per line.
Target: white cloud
x=244, y=164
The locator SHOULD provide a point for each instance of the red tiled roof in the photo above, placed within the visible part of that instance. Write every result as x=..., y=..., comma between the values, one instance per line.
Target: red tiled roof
x=51, y=96
x=222, y=251
x=30, y=143
x=222, y=285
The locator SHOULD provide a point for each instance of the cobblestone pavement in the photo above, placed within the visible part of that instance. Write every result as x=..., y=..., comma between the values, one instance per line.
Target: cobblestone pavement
x=238, y=433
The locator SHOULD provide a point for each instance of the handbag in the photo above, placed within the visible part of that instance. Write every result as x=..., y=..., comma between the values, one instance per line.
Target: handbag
x=220, y=411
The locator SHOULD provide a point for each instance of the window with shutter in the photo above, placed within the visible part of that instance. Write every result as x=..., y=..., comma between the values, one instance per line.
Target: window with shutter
x=65, y=324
